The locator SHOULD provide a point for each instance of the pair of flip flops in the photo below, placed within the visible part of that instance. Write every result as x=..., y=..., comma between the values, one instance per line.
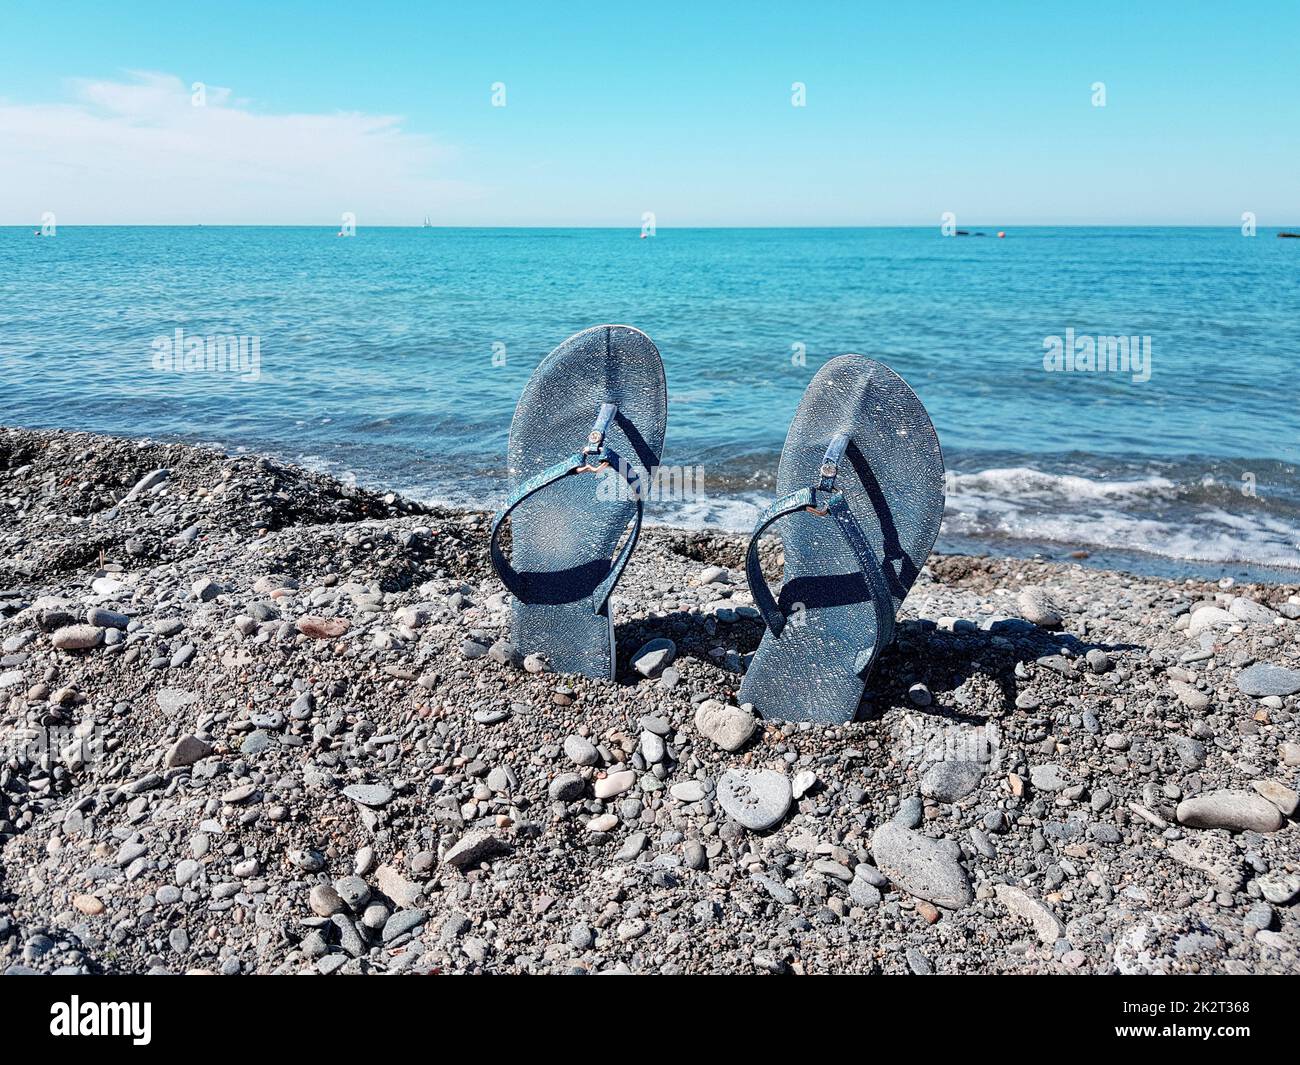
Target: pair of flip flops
x=859, y=502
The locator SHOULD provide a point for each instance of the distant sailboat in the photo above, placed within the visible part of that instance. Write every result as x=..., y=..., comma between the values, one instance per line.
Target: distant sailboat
x=427, y=223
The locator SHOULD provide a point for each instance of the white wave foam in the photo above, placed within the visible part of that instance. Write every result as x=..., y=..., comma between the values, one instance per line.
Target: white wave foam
x=1025, y=482
x=1028, y=505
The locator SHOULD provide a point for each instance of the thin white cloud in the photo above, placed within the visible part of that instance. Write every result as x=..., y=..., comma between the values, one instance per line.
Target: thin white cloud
x=139, y=152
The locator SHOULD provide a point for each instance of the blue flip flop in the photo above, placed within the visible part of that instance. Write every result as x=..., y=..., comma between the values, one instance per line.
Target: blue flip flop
x=586, y=437
x=860, y=486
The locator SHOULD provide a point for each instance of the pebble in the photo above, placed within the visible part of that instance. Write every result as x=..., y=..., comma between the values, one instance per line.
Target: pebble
x=921, y=866
x=1251, y=612
x=614, y=784
x=402, y=922
x=1284, y=798
x=475, y=847
x=1036, y=606
x=650, y=660
x=581, y=751
x=90, y=905
x=319, y=628
x=1048, y=777
x=1263, y=679
x=653, y=748
x=1207, y=618
x=1192, y=698
x=951, y=780
x=804, y=782
x=372, y=795
x=1237, y=811
x=910, y=812
x=1045, y=923
x=1098, y=661
x=325, y=901
x=186, y=751
x=757, y=798
x=567, y=787
x=689, y=791
x=726, y=725
x=106, y=619
x=77, y=637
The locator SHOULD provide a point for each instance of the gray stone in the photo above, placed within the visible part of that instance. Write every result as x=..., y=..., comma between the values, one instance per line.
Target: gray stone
x=401, y=922
x=650, y=660
x=1251, y=612
x=1036, y=606
x=374, y=795
x=1284, y=798
x=921, y=866
x=1263, y=679
x=1237, y=811
x=474, y=847
x=910, y=812
x=1048, y=777
x=1098, y=660
x=757, y=798
x=1281, y=889
x=1045, y=923
x=726, y=725
x=581, y=751
x=1192, y=698
x=186, y=751
x=567, y=787
x=1191, y=752
x=952, y=780
x=689, y=791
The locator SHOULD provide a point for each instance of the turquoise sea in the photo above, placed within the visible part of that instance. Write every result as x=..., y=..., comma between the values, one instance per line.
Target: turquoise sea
x=395, y=357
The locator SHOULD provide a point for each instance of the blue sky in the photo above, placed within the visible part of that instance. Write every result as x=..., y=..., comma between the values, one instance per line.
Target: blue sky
x=682, y=109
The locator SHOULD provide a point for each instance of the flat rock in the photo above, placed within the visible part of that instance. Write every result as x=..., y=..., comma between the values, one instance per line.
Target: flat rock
x=1278, y=794
x=654, y=656
x=689, y=791
x=726, y=725
x=186, y=751
x=1263, y=679
x=1214, y=856
x=374, y=795
x=170, y=700
x=402, y=922
x=477, y=845
x=1237, y=811
x=402, y=891
x=1048, y=777
x=1251, y=612
x=757, y=798
x=921, y=866
x=1192, y=698
x=951, y=780
x=1045, y=923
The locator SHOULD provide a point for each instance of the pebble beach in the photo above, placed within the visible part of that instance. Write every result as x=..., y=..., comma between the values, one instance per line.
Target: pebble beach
x=256, y=720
